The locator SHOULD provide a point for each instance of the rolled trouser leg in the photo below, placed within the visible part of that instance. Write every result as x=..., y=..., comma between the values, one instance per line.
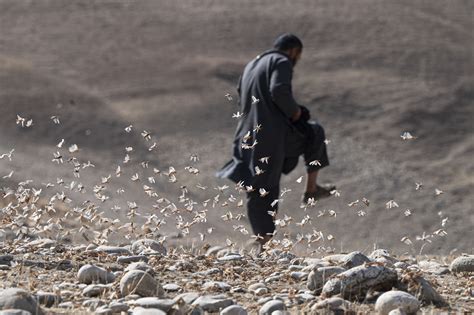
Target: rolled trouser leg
x=258, y=208
x=316, y=149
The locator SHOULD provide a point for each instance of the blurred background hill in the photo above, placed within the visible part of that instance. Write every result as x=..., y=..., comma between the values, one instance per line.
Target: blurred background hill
x=370, y=71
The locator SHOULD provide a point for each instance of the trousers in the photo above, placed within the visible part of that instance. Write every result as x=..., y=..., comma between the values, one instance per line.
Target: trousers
x=308, y=142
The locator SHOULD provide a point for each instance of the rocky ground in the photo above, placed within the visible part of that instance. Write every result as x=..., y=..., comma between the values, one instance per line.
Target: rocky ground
x=43, y=276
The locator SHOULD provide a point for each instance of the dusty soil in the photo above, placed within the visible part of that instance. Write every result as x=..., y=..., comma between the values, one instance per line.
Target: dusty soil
x=371, y=70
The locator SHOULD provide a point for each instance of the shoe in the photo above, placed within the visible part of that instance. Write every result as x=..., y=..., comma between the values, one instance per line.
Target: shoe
x=320, y=193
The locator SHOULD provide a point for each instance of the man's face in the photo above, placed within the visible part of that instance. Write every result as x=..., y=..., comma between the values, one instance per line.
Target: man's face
x=295, y=55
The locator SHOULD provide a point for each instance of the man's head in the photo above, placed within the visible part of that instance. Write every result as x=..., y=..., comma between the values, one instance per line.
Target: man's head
x=291, y=45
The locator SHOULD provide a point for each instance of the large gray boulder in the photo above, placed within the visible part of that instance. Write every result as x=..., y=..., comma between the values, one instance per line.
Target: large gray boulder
x=356, y=282
x=141, y=283
x=317, y=278
x=88, y=274
x=393, y=300
x=16, y=298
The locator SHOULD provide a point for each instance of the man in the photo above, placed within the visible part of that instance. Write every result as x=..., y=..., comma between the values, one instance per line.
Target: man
x=271, y=135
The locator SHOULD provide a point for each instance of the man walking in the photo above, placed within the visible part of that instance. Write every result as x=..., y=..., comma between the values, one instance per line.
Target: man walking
x=271, y=135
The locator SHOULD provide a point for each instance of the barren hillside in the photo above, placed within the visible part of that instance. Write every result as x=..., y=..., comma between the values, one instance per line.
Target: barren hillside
x=371, y=70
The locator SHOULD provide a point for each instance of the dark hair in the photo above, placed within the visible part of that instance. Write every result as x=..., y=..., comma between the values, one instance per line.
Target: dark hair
x=287, y=41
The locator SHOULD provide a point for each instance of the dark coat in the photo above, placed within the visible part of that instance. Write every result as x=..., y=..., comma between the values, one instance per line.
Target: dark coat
x=267, y=104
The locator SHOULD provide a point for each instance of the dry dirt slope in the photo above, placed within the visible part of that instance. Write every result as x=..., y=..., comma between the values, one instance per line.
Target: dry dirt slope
x=370, y=71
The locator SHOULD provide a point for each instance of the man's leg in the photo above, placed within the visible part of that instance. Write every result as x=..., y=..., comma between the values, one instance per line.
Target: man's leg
x=315, y=155
x=311, y=180
x=258, y=208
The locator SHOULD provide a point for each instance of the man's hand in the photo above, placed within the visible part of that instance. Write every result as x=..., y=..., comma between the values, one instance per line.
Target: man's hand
x=296, y=115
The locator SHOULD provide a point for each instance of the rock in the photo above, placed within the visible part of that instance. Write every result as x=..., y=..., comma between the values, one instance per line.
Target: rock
x=91, y=247
x=261, y=291
x=212, y=303
x=424, y=292
x=354, y=283
x=67, y=305
x=273, y=278
x=16, y=298
x=93, y=304
x=238, y=290
x=309, y=261
x=209, y=272
x=188, y=297
x=269, y=307
x=280, y=312
x=379, y=253
x=383, y=256
x=6, y=259
x=130, y=259
x=393, y=300
x=279, y=254
x=295, y=267
x=42, y=243
x=401, y=265
x=171, y=287
x=212, y=251
x=103, y=310
x=94, y=290
x=143, y=266
x=317, y=278
x=196, y=310
x=148, y=244
x=141, y=283
x=118, y=307
x=90, y=273
x=113, y=250
x=216, y=285
x=224, y=251
x=256, y=286
x=306, y=297
x=230, y=257
x=149, y=311
x=299, y=275
x=335, y=304
x=334, y=259
x=433, y=267
x=353, y=259
x=463, y=264
x=47, y=299
x=234, y=310
x=264, y=300
x=14, y=312
x=397, y=312
x=152, y=302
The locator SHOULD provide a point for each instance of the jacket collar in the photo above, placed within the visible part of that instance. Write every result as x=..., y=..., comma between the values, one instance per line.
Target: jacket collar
x=272, y=51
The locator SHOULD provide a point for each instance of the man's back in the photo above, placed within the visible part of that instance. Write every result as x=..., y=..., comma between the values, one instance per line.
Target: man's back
x=258, y=83
x=267, y=105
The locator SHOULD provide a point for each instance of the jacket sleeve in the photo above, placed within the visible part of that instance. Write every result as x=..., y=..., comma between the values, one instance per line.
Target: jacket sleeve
x=280, y=88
